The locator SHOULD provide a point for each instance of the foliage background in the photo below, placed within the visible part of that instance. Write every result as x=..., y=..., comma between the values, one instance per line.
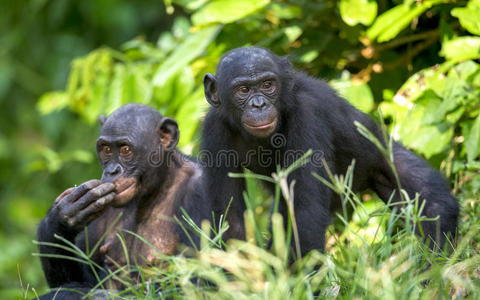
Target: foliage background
x=65, y=62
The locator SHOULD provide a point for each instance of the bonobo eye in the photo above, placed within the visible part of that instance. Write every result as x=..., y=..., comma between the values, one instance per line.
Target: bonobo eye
x=107, y=150
x=125, y=151
x=268, y=85
x=243, y=89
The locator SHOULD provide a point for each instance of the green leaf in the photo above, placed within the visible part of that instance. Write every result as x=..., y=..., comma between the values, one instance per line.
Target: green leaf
x=285, y=11
x=182, y=86
x=142, y=89
x=428, y=140
x=227, y=11
x=293, y=33
x=190, y=49
x=190, y=4
x=309, y=56
x=354, y=12
x=52, y=101
x=472, y=142
x=431, y=101
x=357, y=93
x=392, y=22
x=469, y=16
x=468, y=70
x=462, y=48
x=187, y=117
x=115, y=90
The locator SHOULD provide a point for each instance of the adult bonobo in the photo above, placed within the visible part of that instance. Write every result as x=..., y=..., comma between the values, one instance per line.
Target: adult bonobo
x=145, y=181
x=257, y=97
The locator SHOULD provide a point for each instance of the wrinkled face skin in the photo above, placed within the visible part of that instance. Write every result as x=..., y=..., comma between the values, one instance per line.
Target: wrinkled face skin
x=126, y=143
x=247, y=85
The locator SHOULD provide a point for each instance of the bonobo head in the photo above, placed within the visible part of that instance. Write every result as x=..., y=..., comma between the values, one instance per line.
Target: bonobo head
x=133, y=148
x=247, y=88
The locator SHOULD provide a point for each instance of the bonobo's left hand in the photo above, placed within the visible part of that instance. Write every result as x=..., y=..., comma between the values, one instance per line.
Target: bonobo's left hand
x=76, y=207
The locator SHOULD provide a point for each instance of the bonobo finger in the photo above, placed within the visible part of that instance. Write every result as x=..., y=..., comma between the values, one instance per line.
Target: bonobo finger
x=80, y=190
x=92, y=211
x=62, y=195
x=94, y=195
x=69, y=210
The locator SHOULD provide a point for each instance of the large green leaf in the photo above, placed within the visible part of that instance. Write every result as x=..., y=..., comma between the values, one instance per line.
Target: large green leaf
x=116, y=89
x=227, y=11
x=390, y=23
x=285, y=11
x=469, y=16
x=462, y=48
x=472, y=142
x=428, y=140
x=187, y=117
x=354, y=12
x=357, y=93
x=190, y=49
x=52, y=101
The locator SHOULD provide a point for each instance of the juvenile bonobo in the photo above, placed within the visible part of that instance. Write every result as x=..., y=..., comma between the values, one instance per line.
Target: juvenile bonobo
x=146, y=180
x=265, y=111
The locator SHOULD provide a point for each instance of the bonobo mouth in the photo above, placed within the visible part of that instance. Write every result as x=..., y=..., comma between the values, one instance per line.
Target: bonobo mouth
x=125, y=189
x=261, y=130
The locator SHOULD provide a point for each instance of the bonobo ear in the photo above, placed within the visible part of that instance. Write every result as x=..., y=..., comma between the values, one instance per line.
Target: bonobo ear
x=210, y=85
x=169, y=134
x=101, y=120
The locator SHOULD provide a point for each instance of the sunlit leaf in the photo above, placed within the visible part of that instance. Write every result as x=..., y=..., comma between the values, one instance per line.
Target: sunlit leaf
x=142, y=90
x=191, y=48
x=468, y=70
x=354, y=12
x=52, y=101
x=462, y=48
x=357, y=93
x=227, y=11
x=187, y=117
x=190, y=4
x=285, y=11
x=115, y=90
x=309, y=56
x=180, y=28
x=389, y=24
x=432, y=103
x=293, y=32
x=426, y=139
x=472, y=142
x=182, y=87
x=469, y=16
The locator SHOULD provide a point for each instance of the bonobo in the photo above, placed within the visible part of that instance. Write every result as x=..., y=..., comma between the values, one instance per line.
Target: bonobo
x=264, y=110
x=144, y=183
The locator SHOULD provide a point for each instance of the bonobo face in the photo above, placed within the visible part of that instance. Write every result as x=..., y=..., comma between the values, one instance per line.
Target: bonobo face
x=248, y=86
x=127, y=141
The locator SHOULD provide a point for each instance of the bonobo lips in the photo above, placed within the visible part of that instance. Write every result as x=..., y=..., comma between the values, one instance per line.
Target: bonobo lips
x=126, y=189
x=261, y=130
x=261, y=126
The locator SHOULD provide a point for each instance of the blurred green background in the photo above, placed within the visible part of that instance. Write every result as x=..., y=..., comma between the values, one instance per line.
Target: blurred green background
x=65, y=62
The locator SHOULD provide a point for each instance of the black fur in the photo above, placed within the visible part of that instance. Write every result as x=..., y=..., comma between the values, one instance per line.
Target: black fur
x=310, y=115
x=162, y=175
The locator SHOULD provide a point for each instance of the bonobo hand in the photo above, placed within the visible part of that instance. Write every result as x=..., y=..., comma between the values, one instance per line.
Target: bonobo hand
x=77, y=207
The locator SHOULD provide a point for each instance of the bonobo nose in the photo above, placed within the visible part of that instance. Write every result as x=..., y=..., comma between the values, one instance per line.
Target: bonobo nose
x=111, y=172
x=258, y=102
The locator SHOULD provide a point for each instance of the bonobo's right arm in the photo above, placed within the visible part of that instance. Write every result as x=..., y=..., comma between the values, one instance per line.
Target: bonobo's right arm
x=74, y=209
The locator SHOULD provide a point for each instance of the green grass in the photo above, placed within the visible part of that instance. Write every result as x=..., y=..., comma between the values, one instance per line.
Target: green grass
x=377, y=255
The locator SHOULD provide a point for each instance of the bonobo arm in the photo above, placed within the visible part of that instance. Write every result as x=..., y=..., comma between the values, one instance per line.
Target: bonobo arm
x=219, y=187
x=416, y=176
x=74, y=209
x=311, y=197
x=223, y=188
